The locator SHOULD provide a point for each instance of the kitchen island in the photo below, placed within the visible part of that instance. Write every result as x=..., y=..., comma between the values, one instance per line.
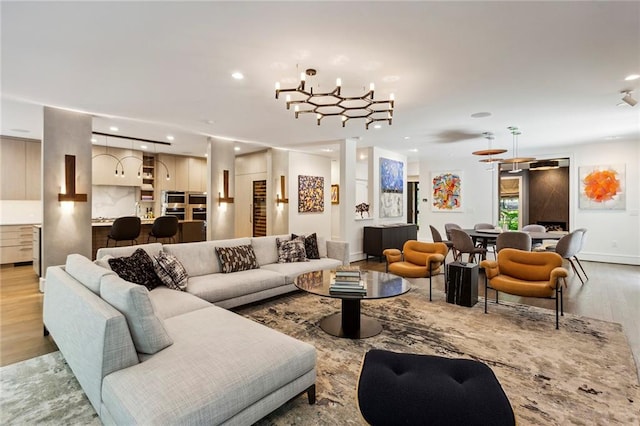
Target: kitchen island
x=188, y=231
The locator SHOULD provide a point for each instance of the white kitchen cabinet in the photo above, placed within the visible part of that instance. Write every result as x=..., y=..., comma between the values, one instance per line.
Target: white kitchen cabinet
x=33, y=172
x=197, y=174
x=16, y=243
x=20, y=169
x=182, y=173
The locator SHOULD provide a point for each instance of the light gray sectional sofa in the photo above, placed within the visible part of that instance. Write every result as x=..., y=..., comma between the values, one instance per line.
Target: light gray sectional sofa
x=168, y=357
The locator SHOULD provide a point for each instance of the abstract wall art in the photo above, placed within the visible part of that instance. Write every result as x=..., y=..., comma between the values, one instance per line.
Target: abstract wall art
x=446, y=191
x=391, y=187
x=602, y=187
x=310, y=194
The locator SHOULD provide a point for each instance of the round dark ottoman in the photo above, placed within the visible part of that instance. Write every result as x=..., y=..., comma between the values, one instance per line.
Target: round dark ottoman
x=410, y=389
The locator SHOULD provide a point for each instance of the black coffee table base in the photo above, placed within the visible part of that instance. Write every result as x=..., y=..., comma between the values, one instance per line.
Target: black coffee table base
x=350, y=323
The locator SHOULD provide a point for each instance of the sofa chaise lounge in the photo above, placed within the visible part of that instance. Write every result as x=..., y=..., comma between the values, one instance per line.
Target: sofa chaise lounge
x=170, y=357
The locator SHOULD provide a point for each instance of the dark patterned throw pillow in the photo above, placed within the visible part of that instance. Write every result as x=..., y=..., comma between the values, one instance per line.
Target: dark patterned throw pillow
x=238, y=258
x=171, y=272
x=292, y=251
x=137, y=268
x=310, y=245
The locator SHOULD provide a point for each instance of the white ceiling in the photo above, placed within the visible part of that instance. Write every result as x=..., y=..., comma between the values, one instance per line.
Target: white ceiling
x=555, y=69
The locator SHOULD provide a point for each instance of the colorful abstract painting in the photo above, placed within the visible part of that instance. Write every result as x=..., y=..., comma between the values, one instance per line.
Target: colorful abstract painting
x=446, y=192
x=602, y=187
x=310, y=194
x=391, y=187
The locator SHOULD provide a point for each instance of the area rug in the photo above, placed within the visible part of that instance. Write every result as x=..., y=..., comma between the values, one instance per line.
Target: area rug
x=581, y=374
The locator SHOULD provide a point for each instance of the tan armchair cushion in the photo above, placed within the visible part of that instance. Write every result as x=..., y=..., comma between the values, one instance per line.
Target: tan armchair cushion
x=417, y=258
x=524, y=273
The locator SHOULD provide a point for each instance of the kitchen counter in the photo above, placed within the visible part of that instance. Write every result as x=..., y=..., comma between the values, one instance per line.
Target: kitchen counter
x=188, y=231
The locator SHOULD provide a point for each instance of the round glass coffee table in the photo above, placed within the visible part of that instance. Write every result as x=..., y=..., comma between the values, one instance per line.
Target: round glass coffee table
x=350, y=323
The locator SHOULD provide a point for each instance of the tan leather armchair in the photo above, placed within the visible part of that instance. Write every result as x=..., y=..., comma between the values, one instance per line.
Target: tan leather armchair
x=527, y=274
x=416, y=260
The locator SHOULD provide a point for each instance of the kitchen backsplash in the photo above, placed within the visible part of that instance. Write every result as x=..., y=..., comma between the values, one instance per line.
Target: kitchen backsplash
x=20, y=212
x=113, y=201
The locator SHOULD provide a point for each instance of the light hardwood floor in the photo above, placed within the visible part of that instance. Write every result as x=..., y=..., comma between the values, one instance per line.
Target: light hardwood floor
x=612, y=293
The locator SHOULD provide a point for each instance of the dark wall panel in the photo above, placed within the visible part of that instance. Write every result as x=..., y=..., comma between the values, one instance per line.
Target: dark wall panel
x=549, y=196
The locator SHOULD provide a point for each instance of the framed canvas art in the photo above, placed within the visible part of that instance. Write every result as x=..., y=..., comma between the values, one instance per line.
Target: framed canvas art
x=602, y=187
x=446, y=191
x=391, y=187
x=335, y=194
x=310, y=194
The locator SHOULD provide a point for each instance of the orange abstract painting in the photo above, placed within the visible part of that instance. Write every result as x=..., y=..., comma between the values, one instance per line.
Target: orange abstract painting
x=602, y=187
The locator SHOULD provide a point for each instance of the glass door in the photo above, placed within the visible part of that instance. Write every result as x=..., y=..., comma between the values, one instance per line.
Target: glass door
x=511, y=202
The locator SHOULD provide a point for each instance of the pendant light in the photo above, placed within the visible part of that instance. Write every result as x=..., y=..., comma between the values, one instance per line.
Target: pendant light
x=515, y=160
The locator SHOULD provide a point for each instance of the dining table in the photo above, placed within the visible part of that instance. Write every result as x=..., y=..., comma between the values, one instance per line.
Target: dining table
x=487, y=237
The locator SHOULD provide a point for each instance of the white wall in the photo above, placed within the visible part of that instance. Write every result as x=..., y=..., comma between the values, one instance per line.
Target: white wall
x=371, y=168
x=309, y=165
x=613, y=235
x=479, y=194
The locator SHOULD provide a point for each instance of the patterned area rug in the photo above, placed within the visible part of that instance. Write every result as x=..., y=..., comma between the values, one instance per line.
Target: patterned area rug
x=580, y=374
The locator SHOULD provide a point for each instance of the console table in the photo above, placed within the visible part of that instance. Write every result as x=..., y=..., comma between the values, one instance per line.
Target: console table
x=378, y=238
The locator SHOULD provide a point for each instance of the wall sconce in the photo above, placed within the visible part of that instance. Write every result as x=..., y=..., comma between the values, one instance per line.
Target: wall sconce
x=70, y=181
x=282, y=192
x=225, y=187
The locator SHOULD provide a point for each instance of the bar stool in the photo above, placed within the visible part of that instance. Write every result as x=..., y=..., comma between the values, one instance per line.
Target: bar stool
x=126, y=228
x=164, y=227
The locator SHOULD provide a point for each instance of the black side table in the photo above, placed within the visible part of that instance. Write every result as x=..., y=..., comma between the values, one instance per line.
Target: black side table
x=462, y=283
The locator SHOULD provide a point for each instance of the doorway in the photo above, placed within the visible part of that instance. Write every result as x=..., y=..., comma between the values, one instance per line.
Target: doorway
x=412, y=203
x=535, y=194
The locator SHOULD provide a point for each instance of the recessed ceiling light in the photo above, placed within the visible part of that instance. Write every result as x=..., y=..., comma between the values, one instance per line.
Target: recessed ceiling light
x=413, y=150
x=170, y=137
x=327, y=150
x=407, y=138
x=377, y=126
x=94, y=140
x=632, y=77
x=481, y=114
x=237, y=75
x=611, y=138
x=143, y=147
x=206, y=155
x=113, y=128
x=237, y=148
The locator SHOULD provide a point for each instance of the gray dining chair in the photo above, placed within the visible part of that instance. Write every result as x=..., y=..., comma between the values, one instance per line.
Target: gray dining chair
x=437, y=238
x=463, y=244
x=567, y=247
x=534, y=228
x=513, y=239
x=582, y=241
x=448, y=227
x=490, y=246
x=483, y=226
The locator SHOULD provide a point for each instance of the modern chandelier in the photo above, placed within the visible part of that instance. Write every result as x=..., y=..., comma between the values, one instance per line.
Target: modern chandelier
x=335, y=104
